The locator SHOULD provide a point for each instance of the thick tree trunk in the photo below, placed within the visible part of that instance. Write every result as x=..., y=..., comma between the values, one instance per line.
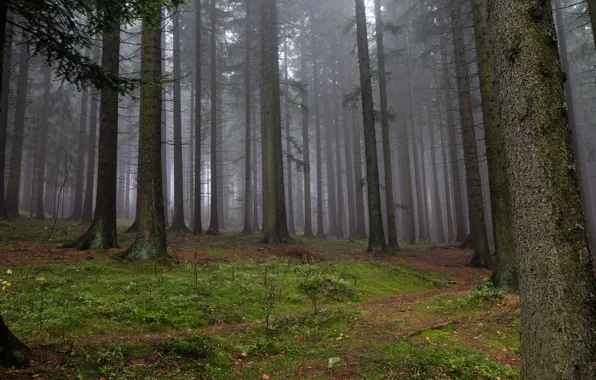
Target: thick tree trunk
x=276, y=229
x=178, y=222
x=135, y=225
x=505, y=271
x=18, y=134
x=308, y=232
x=556, y=277
x=376, y=239
x=151, y=239
x=482, y=257
x=102, y=232
x=214, y=222
x=592, y=14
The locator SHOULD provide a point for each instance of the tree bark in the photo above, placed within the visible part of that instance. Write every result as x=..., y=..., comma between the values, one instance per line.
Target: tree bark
x=320, y=228
x=77, y=213
x=505, y=271
x=247, y=229
x=150, y=242
x=308, y=232
x=275, y=230
x=178, y=222
x=359, y=181
x=481, y=257
x=391, y=224
x=329, y=158
x=376, y=238
x=338, y=132
x=288, y=122
x=18, y=135
x=556, y=276
x=436, y=201
x=102, y=232
x=6, y=63
x=198, y=223
x=90, y=177
x=214, y=222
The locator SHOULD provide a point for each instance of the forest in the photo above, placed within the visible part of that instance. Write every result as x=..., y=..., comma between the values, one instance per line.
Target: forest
x=297, y=189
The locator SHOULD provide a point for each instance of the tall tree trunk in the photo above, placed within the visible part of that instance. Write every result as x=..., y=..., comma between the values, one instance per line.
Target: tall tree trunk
x=214, y=222
x=4, y=95
x=481, y=257
x=320, y=228
x=391, y=224
x=556, y=276
x=458, y=208
x=136, y=224
x=337, y=132
x=592, y=14
x=43, y=143
x=288, y=122
x=376, y=239
x=329, y=158
x=102, y=232
x=178, y=222
x=164, y=119
x=18, y=134
x=436, y=201
x=77, y=213
x=359, y=181
x=90, y=177
x=411, y=178
x=348, y=142
x=308, y=232
x=276, y=229
x=247, y=229
x=445, y=155
x=198, y=223
x=255, y=176
x=505, y=272
x=151, y=239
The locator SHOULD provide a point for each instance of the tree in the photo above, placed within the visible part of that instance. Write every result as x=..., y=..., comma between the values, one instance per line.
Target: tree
x=102, y=232
x=150, y=242
x=18, y=134
x=247, y=229
x=481, y=257
x=505, y=271
x=556, y=277
x=320, y=229
x=276, y=229
x=178, y=223
x=305, y=140
x=198, y=223
x=391, y=225
x=376, y=239
x=214, y=223
x=5, y=89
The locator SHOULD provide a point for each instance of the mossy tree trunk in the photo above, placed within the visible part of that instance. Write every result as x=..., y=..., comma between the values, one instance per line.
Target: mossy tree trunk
x=276, y=229
x=376, y=239
x=102, y=232
x=150, y=242
x=556, y=277
x=16, y=151
x=505, y=271
x=391, y=224
x=481, y=256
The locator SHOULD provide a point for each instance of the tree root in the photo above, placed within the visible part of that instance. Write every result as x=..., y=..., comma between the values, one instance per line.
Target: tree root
x=13, y=352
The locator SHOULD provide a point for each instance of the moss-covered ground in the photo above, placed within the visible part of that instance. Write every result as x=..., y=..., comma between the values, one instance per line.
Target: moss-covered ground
x=229, y=308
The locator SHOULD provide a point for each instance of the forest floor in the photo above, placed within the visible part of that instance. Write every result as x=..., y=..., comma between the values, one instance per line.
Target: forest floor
x=230, y=308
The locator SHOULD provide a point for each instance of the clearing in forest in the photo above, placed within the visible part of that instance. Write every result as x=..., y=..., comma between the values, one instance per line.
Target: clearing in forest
x=229, y=308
